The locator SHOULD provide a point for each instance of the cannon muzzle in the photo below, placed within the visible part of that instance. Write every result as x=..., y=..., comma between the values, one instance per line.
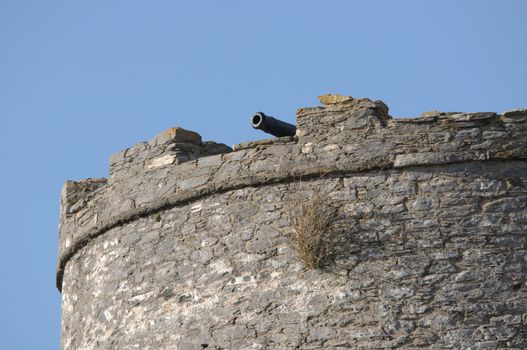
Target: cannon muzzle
x=272, y=125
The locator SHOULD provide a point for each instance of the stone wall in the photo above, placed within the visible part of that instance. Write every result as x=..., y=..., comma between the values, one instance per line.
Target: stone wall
x=185, y=246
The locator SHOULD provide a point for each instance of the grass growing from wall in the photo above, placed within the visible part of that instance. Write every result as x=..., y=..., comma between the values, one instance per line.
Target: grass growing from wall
x=311, y=220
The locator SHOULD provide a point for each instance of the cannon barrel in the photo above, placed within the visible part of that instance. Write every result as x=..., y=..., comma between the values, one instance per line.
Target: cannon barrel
x=272, y=125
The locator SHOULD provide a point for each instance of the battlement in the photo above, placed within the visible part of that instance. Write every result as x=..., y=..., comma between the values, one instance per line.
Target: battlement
x=346, y=135
x=172, y=147
x=392, y=177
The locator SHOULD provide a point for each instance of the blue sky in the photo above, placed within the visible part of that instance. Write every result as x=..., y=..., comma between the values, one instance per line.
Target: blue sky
x=80, y=80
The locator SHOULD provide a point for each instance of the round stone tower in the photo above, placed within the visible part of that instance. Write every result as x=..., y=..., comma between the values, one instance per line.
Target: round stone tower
x=192, y=245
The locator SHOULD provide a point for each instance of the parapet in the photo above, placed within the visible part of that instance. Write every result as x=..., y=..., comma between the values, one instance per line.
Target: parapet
x=343, y=136
x=172, y=147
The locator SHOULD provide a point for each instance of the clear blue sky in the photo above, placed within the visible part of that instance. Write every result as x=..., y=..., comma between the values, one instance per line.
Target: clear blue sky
x=80, y=80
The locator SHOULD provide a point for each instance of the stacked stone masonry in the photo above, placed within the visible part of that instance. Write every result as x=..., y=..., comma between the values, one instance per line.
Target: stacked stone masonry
x=185, y=245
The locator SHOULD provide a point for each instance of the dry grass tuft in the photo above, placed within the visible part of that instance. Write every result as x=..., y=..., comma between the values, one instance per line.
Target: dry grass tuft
x=311, y=220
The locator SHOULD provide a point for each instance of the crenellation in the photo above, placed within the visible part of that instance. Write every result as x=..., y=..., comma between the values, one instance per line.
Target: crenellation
x=75, y=194
x=171, y=147
x=186, y=244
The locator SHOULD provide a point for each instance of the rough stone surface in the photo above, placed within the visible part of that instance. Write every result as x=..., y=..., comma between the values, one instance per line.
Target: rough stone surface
x=334, y=99
x=185, y=245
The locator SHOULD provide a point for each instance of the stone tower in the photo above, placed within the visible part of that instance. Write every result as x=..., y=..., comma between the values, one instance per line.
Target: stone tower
x=186, y=244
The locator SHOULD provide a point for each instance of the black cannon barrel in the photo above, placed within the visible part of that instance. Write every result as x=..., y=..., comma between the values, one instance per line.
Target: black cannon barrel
x=272, y=125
